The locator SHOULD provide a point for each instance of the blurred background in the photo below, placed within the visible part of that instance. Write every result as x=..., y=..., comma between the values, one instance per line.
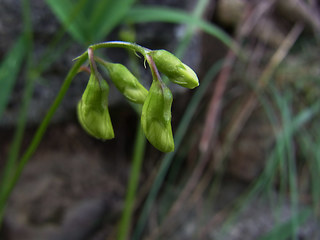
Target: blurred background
x=246, y=163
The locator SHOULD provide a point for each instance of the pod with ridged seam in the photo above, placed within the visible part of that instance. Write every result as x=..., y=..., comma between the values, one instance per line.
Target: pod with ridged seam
x=174, y=69
x=126, y=82
x=156, y=117
x=93, y=113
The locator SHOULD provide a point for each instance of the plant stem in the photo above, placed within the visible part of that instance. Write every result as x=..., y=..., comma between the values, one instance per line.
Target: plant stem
x=39, y=134
x=139, y=147
x=119, y=44
x=167, y=160
x=154, y=70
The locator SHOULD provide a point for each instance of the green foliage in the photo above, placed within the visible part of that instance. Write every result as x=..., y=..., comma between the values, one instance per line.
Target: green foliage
x=86, y=21
x=89, y=21
x=141, y=14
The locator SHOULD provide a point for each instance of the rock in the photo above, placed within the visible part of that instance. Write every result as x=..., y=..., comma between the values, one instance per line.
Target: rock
x=69, y=188
x=83, y=219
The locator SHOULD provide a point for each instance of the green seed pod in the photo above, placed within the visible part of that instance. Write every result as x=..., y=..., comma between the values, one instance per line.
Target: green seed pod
x=174, y=69
x=156, y=117
x=93, y=113
x=126, y=82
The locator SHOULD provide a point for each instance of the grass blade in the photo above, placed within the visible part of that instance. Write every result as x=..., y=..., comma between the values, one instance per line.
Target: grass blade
x=284, y=231
x=9, y=70
x=189, y=32
x=90, y=21
x=71, y=17
x=109, y=15
x=152, y=14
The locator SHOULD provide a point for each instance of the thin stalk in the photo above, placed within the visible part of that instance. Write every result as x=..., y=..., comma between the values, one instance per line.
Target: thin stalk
x=120, y=44
x=139, y=147
x=124, y=226
x=154, y=71
x=39, y=133
x=179, y=134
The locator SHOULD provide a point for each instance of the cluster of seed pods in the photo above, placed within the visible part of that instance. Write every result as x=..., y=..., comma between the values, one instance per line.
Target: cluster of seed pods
x=93, y=113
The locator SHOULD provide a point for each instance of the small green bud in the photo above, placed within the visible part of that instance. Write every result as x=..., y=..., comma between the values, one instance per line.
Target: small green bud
x=126, y=82
x=156, y=117
x=174, y=69
x=93, y=113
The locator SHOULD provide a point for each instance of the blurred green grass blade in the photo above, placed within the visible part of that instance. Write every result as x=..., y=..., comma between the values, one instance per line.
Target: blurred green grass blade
x=311, y=153
x=98, y=14
x=283, y=231
x=278, y=152
x=142, y=14
x=288, y=161
x=9, y=70
x=90, y=21
x=189, y=32
x=71, y=17
x=107, y=15
x=315, y=172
